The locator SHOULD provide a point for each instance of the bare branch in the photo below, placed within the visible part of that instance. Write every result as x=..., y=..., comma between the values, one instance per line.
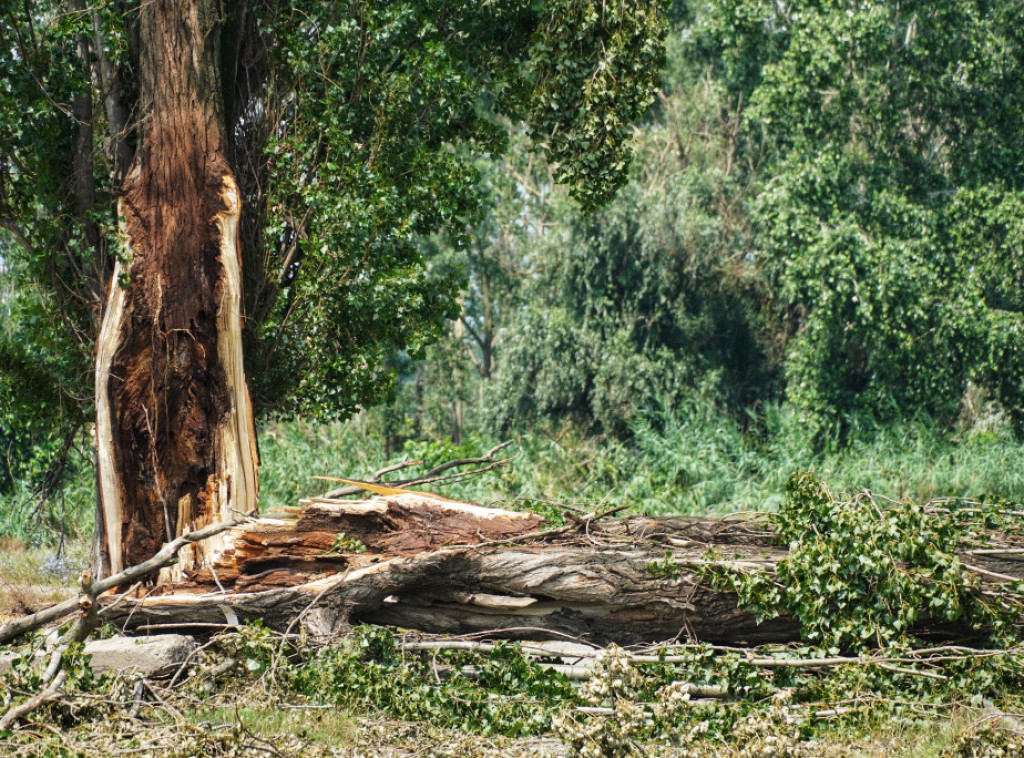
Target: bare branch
x=167, y=555
x=48, y=695
x=430, y=477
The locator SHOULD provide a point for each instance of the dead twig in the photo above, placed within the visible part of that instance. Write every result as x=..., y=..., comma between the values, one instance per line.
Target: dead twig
x=54, y=676
x=188, y=660
x=138, y=694
x=119, y=599
x=47, y=695
x=991, y=574
x=166, y=556
x=244, y=729
x=81, y=631
x=430, y=477
x=932, y=656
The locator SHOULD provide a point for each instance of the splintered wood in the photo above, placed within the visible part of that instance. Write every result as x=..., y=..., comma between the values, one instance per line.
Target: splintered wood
x=326, y=536
x=423, y=562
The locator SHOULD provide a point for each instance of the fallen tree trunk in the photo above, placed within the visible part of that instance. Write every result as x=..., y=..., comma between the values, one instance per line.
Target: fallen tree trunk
x=440, y=566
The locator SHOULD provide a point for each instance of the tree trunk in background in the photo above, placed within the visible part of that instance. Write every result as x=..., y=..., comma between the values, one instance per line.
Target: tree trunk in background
x=175, y=432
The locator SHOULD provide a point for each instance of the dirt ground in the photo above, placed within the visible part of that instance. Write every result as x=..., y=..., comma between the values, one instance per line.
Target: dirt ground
x=32, y=578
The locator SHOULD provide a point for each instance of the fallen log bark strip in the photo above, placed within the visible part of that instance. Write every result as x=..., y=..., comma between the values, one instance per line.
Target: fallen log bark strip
x=439, y=566
x=589, y=592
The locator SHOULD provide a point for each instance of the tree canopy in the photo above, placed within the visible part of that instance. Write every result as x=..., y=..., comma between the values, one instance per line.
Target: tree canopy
x=825, y=213
x=352, y=131
x=889, y=221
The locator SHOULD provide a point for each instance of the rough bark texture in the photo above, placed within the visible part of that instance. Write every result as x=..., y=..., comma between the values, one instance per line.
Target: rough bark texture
x=438, y=566
x=174, y=424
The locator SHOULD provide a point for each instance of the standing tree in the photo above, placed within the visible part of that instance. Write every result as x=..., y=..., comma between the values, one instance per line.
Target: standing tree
x=193, y=181
x=888, y=225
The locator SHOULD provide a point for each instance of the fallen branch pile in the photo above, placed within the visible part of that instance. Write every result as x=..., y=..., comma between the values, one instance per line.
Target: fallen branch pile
x=677, y=590
x=426, y=563
x=421, y=561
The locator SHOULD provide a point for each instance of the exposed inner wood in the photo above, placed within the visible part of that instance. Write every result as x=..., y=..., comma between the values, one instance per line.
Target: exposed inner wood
x=110, y=490
x=474, y=570
x=412, y=522
x=175, y=428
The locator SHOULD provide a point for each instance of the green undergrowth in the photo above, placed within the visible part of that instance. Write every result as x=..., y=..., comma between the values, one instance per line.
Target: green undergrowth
x=865, y=573
x=867, y=577
x=267, y=721
x=860, y=575
x=35, y=518
x=694, y=460
x=298, y=699
x=506, y=691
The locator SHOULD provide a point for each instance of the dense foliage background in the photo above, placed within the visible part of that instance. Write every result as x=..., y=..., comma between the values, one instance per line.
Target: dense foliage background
x=816, y=263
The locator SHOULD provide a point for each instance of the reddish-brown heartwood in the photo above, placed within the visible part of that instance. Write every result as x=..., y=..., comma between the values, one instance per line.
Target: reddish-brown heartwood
x=175, y=434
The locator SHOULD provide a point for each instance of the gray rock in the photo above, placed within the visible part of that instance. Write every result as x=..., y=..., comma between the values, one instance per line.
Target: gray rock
x=160, y=655
x=6, y=661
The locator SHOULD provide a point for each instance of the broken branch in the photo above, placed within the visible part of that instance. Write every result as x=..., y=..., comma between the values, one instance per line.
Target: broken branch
x=430, y=477
x=165, y=557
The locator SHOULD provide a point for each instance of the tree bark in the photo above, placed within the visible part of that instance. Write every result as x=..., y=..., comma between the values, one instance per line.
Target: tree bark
x=175, y=433
x=422, y=562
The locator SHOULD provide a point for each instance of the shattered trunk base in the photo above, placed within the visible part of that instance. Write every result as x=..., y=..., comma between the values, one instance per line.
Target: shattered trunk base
x=175, y=436
x=426, y=563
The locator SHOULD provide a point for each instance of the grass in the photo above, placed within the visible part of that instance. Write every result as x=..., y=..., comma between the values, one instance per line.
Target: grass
x=310, y=728
x=701, y=463
x=292, y=453
x=927, y=738
x=66, y=513
x=694, y=462
x=33, y=577
x=329, y=726
x=247, y=713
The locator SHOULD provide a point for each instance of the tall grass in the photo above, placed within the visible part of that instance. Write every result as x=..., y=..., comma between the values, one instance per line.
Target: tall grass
x=67, y=512
x=701, y=463
x=693, y=460
x=293, y=453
